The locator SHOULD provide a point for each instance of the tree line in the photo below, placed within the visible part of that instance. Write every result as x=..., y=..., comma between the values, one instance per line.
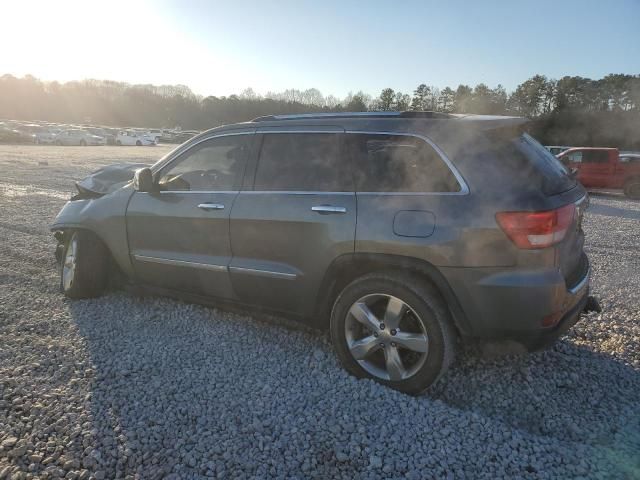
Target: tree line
x=572, y=110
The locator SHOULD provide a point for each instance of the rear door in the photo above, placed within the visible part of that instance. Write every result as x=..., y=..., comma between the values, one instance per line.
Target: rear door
x=294, y=219
x=408, y=196
x=597, y=170
x=179, y=236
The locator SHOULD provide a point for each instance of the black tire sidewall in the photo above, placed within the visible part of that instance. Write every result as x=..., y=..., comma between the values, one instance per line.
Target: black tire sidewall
x=423, y=300
x=90, y=275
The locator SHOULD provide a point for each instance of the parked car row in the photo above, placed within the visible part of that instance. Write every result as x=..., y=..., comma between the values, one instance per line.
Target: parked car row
x=47, y=133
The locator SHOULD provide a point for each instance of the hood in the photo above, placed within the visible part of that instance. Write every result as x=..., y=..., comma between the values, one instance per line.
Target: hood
x=107, y=179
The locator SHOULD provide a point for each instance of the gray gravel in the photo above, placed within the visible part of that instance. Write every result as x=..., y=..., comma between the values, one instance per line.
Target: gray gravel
x=130, y=387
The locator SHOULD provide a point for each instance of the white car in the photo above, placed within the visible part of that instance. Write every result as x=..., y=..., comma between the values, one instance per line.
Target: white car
x=156, y=133
x=42, y=135
x=75, y=136
x=131, y=137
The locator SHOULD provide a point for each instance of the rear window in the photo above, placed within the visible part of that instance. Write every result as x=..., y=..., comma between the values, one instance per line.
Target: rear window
x=525, y=156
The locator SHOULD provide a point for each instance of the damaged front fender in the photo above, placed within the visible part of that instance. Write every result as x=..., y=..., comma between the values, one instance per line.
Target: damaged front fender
x=106, y=180
x=106, y=217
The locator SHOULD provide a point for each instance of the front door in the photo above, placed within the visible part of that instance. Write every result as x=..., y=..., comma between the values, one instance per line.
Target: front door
x=298, y=218
x=179, y=235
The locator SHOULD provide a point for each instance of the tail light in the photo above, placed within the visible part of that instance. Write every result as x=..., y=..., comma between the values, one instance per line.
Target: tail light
x=537, y=229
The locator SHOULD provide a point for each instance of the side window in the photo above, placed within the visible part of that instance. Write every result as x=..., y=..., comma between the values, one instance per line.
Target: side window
x=595, y=156
x=215, y=164
x=575, y=157
x=398, y=163
x=302, y=161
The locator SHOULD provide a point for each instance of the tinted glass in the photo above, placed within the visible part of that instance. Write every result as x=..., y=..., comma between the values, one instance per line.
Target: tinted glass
x=555, y=177
x=216, y=164
x=398, y=163
x=302, y=161
x=595, y=156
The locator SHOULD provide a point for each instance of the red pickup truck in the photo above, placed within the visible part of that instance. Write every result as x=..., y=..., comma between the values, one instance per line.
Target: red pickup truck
x=604, y=168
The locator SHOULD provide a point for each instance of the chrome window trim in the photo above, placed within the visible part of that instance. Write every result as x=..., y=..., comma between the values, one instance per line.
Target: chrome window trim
x=180, y=263
x=263, y=273
x=177, y=153
x=226, y=192
x=464, y=188
x=296, y=192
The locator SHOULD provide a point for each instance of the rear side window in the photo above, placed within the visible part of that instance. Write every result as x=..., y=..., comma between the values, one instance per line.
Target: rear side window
x=303, y=162
x=398, y=163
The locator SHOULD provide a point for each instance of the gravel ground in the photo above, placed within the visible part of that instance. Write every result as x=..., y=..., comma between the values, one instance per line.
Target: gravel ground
x=130, y=387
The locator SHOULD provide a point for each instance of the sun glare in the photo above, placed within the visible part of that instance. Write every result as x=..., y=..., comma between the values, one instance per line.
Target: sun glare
x=73, y=40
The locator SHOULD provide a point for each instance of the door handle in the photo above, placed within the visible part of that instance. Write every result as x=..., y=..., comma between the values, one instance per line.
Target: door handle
x=211, y=206
x=326, y=209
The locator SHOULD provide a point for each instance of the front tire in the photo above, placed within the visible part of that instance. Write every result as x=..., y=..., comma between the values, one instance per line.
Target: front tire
x=84, y=268
x=138, y=143
x=395, y=329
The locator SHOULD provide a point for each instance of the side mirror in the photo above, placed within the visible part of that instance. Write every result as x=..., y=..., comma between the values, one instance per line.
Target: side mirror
x=143, y=180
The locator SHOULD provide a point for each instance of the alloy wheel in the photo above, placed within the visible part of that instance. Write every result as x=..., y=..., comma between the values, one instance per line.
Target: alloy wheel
x=69, y=264
x=386, y=337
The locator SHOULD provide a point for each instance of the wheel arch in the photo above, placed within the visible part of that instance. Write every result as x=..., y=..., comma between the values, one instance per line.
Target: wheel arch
x=347, y=268
x=105, y=217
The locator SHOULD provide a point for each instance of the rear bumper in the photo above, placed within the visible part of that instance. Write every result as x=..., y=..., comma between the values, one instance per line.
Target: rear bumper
x=545, y=338
x=513, y=304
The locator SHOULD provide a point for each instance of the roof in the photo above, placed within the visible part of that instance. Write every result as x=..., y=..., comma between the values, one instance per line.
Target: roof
x=386, y=115
x=425, y=123
x=327, y=115
x=573, y=149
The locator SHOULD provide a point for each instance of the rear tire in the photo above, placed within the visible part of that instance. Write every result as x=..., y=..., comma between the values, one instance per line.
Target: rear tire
x=414, y=348
x=632, y=188
x=84, y=266
x=138, y=143
x=119, y=143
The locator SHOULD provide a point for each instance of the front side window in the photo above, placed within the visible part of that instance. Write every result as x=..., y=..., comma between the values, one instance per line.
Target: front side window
x=398, y=163
x=574, y=157
x=302, y=162
x=215, y=164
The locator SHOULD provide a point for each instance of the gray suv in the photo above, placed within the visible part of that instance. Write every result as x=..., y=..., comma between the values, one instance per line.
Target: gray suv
x=400, y=232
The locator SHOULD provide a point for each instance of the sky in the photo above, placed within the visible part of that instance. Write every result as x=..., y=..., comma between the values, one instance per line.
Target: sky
x=338, y=46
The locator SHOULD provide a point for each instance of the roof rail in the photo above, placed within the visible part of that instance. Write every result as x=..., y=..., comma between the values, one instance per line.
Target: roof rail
x=385, y=114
